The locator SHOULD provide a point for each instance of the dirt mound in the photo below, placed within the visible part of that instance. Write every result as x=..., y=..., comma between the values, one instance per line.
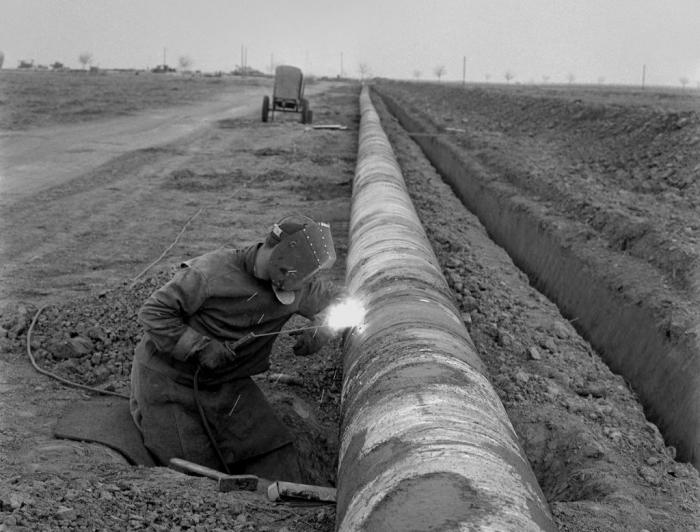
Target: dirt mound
x=626, y=166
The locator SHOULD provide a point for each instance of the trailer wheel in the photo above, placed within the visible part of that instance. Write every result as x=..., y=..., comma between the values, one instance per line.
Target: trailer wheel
x=305, y=111
x=309, y=116
x=265, y=108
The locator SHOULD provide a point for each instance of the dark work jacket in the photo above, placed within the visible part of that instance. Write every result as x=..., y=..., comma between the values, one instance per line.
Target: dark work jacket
x=217, y=296
x=212, y=296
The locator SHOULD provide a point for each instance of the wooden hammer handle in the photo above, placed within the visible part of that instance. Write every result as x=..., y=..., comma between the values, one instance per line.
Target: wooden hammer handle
x=226, y=482
x=191, y=467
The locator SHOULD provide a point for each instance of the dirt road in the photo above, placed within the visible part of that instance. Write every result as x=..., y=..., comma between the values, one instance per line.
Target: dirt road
x=42, y=157
x=49, y=176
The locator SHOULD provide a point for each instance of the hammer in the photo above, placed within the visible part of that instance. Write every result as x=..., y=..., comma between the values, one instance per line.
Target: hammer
x=226, y=482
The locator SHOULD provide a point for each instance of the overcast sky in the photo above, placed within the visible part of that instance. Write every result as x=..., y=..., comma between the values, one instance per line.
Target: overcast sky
x=593, y=40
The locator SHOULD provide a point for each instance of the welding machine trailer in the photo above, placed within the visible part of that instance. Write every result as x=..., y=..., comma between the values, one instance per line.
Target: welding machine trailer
x=287, y=95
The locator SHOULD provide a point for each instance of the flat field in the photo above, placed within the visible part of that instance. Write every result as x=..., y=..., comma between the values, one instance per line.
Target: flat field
x=38, y=98
x=88, y=249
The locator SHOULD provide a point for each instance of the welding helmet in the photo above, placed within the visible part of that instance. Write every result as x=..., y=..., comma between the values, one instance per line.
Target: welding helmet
x=300, y=248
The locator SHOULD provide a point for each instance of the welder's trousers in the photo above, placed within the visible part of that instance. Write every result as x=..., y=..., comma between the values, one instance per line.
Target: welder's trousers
x=250, y=437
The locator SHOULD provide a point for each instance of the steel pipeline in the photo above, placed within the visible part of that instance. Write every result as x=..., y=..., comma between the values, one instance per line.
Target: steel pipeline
x=425, y=442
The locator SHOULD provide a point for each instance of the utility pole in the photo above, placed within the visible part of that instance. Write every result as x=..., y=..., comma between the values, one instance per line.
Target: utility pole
x=464, y=71
x=341, y=64
x=644, y=75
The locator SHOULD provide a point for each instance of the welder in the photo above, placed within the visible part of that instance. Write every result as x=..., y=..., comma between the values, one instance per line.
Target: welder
x=209, y=329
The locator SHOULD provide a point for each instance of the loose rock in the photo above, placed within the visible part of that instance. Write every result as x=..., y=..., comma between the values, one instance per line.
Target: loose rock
x=65, y=513
x=560, y=330
x=534, y=353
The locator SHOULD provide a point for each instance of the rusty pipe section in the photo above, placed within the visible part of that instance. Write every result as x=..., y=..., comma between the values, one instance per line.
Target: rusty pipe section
x=425, y=442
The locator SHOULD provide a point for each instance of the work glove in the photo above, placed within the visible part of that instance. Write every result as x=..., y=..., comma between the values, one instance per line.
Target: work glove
x=311, y=340
x=215, y=355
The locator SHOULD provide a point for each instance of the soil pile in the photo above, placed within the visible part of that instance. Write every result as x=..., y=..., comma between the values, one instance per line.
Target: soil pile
x=624, y=163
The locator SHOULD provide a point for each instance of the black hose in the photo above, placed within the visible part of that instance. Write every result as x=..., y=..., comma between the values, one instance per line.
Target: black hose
x=205, y=422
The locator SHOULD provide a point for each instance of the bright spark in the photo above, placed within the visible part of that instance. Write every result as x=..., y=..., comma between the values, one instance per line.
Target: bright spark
x=346, y=314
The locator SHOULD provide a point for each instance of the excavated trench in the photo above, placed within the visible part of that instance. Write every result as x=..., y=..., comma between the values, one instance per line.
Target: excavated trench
x=616, y=303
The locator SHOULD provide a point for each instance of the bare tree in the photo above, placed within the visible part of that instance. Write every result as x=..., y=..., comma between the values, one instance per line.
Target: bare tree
x=570, y=78
x=509, y=76
x=185, y=62
x=545, y=79
x=601, y=80
x=2, y=58
x=439, y=71
x=85, y=59
x=417, y=74
x=364, y=70
x=684, y=81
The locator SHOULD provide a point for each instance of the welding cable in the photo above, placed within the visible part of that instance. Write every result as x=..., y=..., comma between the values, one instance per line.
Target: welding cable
x=58, y=377
x=205, y=422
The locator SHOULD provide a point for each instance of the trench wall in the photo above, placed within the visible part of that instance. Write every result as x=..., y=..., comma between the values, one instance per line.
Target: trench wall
x=636, y=335
x=425, y=442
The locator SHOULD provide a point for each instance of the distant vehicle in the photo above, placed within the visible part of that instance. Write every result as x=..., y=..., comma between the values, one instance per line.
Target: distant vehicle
x=162, y=69
x=287, y=95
